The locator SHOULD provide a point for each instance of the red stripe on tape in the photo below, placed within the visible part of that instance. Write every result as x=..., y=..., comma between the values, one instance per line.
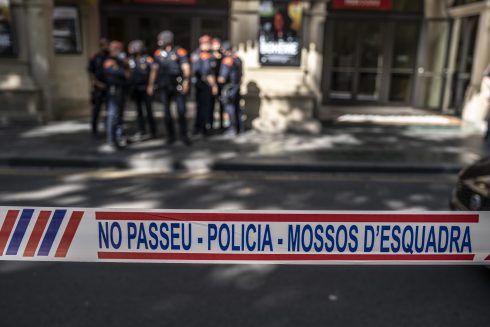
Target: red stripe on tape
x=37, y=233
x=251, y=217
x=69, y=234
x=487, y=258
x=7, y=226
x=284, y=256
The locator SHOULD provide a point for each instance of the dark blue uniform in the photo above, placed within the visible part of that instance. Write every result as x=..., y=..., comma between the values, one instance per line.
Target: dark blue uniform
x=231, y=72
x=98, y=94
x=203, y=66
x=115, y=79
x=218, y=57
x=169, y=83
x=140, y=73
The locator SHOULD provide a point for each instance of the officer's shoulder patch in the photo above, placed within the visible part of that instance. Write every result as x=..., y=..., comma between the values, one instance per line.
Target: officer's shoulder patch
x=157, y=52
x=108, y=63
x=182, y=52
x=228, y=61
x=194, y=57
x=149, y=60
x=204, y=55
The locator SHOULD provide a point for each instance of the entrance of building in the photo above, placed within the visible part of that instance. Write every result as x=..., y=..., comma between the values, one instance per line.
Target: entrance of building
x=128, y=21
x=370, y=60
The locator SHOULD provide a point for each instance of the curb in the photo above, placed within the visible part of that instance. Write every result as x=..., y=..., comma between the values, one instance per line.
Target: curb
x=241, y=166
x=63, y=162
x=339, y=167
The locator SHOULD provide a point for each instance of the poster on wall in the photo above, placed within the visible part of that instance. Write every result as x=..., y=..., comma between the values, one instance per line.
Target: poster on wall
x=66, y=30
x=280, y=32
x=6, y=34
x=362, y=4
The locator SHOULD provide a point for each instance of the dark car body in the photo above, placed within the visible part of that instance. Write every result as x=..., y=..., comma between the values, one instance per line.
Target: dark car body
x=472, y=192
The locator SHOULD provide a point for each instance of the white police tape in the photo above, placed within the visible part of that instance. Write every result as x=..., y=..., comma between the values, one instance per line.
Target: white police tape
x=299, y=237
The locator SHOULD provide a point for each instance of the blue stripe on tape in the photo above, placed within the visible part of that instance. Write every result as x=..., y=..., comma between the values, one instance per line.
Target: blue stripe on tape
x=19, y=232
x=53, y=228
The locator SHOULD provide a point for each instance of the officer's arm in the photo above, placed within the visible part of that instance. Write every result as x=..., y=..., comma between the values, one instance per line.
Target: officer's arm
x=212, y=82
x=151, y=80
x=223, y=74
x=186, y=74
x=93, y=80
x=224, y=70
x=91, y=73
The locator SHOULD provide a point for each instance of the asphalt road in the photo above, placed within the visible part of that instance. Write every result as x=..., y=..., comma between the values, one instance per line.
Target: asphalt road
x=66, y=294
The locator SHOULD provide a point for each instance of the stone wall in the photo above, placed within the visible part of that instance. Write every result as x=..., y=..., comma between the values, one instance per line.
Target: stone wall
x=278, y=99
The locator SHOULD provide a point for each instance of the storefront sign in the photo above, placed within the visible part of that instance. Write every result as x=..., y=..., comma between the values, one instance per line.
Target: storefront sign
x=66, y=30
x=362, y=4
x=167, y=2
x=6, y=34
x=280, y=32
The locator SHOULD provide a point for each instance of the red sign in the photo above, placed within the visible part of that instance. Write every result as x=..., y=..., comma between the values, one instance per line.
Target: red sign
x=363, y=4
x=167, y=2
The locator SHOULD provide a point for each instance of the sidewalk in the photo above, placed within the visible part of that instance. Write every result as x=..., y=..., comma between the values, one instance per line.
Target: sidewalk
x=362, y=148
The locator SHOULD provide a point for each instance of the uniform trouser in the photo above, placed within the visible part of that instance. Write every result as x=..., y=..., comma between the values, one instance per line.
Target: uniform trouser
x=167, y=95
x=115, y=104
x=231, y=106
x=98, y=97
x=204, y=96
x=142, y=99
x=215, y=99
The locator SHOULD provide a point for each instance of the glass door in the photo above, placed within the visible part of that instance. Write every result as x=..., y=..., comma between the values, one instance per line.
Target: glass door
x=404, y=54
x=371, y=60
x=344, y=59
x=367, y=85
x=431, y=72
x=357, y=61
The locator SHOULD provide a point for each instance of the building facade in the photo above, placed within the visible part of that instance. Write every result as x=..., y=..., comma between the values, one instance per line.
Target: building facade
x=317, y=55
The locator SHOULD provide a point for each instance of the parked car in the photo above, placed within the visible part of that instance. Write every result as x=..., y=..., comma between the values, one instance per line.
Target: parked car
x=472, y=192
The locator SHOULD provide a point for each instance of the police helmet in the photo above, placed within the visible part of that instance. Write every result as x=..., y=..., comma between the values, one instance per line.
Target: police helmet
x=226, y=46
x=205, y=39
x=165, y=38
x=116, y=45
x=136, y=46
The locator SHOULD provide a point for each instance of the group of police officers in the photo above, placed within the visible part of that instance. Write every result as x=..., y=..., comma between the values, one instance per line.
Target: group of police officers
x=213, y=69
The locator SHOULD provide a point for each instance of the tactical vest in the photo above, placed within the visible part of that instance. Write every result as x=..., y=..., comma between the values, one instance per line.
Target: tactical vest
x=114, y=75
x=169, y=71
x=203, y=66
x=140, y=69
x=235, y=71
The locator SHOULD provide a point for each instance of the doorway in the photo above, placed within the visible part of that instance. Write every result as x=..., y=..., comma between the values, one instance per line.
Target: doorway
x=370, y=60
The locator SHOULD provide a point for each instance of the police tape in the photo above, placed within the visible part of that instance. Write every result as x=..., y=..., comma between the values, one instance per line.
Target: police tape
x=292, y=237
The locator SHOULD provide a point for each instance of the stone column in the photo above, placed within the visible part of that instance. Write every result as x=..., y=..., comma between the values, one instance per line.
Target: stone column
x=477, y=97
x=482, y=51
x=314, y=39
x=19, y=94
x=40, y=53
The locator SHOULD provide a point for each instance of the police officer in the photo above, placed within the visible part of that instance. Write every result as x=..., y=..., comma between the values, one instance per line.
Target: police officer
x=203, y=68
x=115, y=77
x=171, y=73
x=230, y=76
x=140, y=66
x=96, y=74
x=217, y=53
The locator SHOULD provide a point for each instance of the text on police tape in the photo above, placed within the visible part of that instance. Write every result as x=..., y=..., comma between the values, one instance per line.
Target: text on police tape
x=243, y=236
